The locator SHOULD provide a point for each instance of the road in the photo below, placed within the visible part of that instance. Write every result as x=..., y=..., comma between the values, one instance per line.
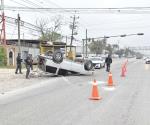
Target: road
x=65, y=100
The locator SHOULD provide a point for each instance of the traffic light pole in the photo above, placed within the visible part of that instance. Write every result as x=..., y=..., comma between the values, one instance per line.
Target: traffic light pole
x=86, y=44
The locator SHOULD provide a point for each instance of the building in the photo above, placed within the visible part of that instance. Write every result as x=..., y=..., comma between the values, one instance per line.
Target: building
x=26, y=47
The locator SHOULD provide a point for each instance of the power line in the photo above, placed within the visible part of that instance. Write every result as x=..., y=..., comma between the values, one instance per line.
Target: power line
x=26, y=27
x=31, y=3
x=52, y=3
x=26, y=1
x=81, y=9
x=127, y=10
x=19, y=3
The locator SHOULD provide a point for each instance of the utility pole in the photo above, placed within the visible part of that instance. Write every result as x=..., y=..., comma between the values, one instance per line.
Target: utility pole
x=72, y=33
x=66, y=46
x=18, y=22
x=66, y=40
x=2, y=23
x=86, y=43
x=83, y=48
x=73, y=27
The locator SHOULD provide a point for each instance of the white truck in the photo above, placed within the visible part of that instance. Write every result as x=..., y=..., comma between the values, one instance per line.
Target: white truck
x=58, y=65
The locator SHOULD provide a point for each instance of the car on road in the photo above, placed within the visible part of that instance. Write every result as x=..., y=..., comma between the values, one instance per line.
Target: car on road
x=98, y=62
x=58, y=65
x=139, y=56
x=147, y=61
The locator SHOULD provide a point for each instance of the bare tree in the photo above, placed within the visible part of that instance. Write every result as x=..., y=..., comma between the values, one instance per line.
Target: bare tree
x=42, y=26
x=57, y=21
x=49, y=28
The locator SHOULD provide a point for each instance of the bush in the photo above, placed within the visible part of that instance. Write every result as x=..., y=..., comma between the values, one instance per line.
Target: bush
x=3, y=57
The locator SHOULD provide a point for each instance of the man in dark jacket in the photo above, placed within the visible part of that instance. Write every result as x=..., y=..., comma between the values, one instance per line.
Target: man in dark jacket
x=28, y=62
x=108, y=61
x=18, y=60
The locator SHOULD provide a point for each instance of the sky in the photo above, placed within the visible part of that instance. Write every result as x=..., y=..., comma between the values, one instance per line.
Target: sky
x=98, y=24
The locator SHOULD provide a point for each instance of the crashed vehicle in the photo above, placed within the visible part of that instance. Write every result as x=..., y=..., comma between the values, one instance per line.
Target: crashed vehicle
x=58, y=65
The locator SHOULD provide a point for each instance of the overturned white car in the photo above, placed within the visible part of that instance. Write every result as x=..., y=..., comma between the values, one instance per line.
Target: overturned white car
x=56, y=64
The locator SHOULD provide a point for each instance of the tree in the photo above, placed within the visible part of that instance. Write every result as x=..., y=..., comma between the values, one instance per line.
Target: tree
x=109, y=48
x=98, y=46
x=49, y=29
x=3, y=57
x=115, y=46
x=120, y=52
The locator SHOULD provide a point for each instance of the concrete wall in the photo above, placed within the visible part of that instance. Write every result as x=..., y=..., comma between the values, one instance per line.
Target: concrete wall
x=13, y=50
x=26, y=50
x=11, y=55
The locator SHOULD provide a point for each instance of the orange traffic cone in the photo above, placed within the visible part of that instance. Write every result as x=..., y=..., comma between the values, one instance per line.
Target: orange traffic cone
x=110, y=80
x=125, y=68
x=95, y=93
x=123, y=72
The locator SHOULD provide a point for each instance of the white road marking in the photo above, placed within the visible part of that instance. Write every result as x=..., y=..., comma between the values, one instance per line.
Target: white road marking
x=98, y=82
x=107, y=88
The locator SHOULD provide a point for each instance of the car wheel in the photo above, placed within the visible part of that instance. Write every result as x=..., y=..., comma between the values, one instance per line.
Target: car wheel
x=88, y=65
x=57, y=57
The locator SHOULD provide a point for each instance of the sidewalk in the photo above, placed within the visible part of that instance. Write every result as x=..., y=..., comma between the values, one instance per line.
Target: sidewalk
x=10, y=81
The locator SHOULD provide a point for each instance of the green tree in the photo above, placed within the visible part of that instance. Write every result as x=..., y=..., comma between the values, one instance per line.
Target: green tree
x=109, y=48
x=120, y=52
x=98, y=46
x=3, y=57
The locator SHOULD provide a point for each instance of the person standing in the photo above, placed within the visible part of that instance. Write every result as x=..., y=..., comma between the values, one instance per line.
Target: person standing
x=108, y=61
x=28, y=62
x=31, y=65
x=18, y=60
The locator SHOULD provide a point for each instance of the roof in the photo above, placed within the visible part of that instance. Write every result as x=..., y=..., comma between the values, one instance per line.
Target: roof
x=10, y=41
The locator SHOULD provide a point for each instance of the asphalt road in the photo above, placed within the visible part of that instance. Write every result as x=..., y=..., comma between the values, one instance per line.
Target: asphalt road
x=65, y=100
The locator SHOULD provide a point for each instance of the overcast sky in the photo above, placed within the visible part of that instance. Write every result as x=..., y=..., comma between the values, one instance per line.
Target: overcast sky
x=98, y=24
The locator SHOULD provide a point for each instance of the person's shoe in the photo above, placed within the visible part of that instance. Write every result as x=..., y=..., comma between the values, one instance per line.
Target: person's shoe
x=16, y=73
x=21, y=73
